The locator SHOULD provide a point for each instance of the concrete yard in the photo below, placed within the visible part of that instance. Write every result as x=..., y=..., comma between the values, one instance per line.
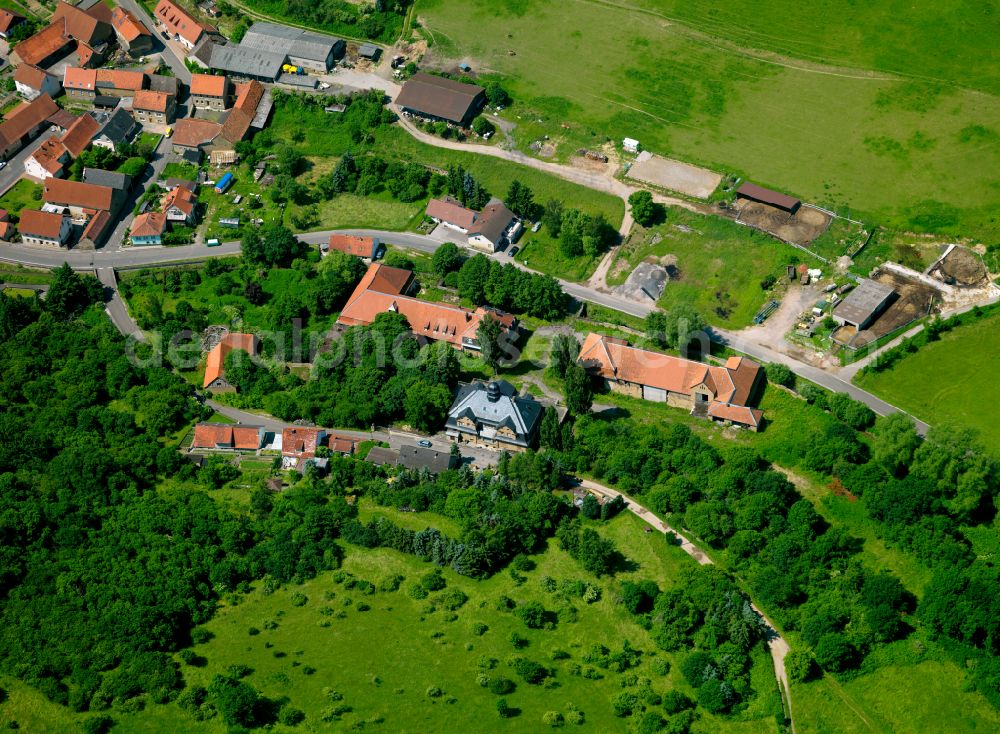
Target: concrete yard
x=674, y=175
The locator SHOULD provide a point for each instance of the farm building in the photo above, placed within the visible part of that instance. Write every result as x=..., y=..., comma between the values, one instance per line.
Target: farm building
x=721, y=393
x=438, y=98
x=24, y=123
x=190, y=133
x=494, y=415
x=383, y=289
x=369, y=51
x=215, y=375
x=753, y=192
x=44, y=228
x=364, y=247
x=8, y=21
x=31, y=82
x=71, y=29
x=222, y=436
x=307, y=49
x=242, y=62
x=862, y=306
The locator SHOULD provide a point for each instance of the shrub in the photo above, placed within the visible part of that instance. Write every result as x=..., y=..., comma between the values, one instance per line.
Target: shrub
x=779, y=374
x=479, y=629
x=800, y=665
x=501, y=686
x=530, y=671
x=503, y=709
x=716, y=696
x=834, y=652
x=97, y=725
x=434, y=692
x=433, y=580
x=575, y=717
x=533, y=614
x=624, y=703
x=674, y=702
x=416, y=591
x=453, y=599
x=290, y=716
x=553, y=718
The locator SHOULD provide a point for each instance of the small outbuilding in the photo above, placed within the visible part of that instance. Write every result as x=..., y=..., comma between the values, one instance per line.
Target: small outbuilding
x=753, y=192
x=369, y=51
x=862, y=306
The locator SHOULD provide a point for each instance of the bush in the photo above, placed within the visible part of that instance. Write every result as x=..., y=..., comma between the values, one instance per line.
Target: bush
x=503, y=709
x=290, y=716
x=553, y=718
x=433, y=580
x=299, y=599
x=674, y=702
x=479, y=629
x=501, y=686
x=434, y=692
x=624, y=703
x=779, y=374
x=97, y=725
x=834, y=652
x=533, y=614
x=716, y=696
x=530, y=671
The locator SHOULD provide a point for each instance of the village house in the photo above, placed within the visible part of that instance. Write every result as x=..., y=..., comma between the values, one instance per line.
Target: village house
x=298, y=446
x=723, y=393
x=132, y=34
x=24, y=123
x=118, y=127
x=191, y=135
x=250, y=112
x=154, y=108
x=7, y=229
x=227, y=437
x=383, y=289
x=179, y=205
x=488, y=230
x=9, y=20
x=493, y=415
x=180, y=25
x=86, y=32
x=148, y=229
x=84, y=200
x=44, y=228
x=51, y=157
x=416, y=458
x=209, y=92
x=367, y=248
x=215, y=366
x=30, y=82
x=110, y=179
x=437, y=98
x=450, y=212
x=88, y=83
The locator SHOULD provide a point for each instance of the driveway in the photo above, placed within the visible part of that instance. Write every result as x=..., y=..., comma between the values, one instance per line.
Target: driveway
x=172, y=53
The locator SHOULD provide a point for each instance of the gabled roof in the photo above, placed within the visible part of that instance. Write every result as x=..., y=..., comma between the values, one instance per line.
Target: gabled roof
x=182, y=199
x=75, y=77
x=214, y=367
x=25, y=118
x=49, y=155
x=178, y=21
x=241, y=59
x=353, y=244
x=419, y=457
x=9, y=19
x=79, y=134
x=34, y=223
x=191, y=132
x=248, y=96
x=438, y=97
x=492, y=221
x=97, y=226
x=161, y=83
x=79, y=194
x=150, y=100
x=223, y=435
x=42, y=45
x=127, y=25
x=84, y=26
x=149, y=224
x=119, y=126
x=31, y=76
x=451, y=211
x=308, y=45
x=131, y=81
x=736, y=414
x=111, y=179
x=341, y=444
x=208, y=85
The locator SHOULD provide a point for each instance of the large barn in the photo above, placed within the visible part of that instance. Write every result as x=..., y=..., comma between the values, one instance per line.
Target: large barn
x=438, y=98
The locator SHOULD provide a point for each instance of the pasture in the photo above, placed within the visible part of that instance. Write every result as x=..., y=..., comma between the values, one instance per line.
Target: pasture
x=377, y=655
x=914, y=152
x=948, y=381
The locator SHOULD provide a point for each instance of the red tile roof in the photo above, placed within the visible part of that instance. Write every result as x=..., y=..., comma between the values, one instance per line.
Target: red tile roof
x=25, y=118
x=451, y=211
x=352, y=245
x=147, y=99
x=79, y=194
x=48, y=155
x=215, y=366
x=75, y=77
x=83, y=26
x=131, y=81
x=127, y=25
x=78, y=136
x=380, y=291
x=341, y=444
x=40, y=224
x=181, y=198
x=31, y=75
x=178, y=21
x=149, y=224
x=299, y=442
x=208, y=85
x=97, y=225
x=39, y=47
x=7, y=230
x=222, y=435
x=190, y=132
x=8, y=20
x=248, y=97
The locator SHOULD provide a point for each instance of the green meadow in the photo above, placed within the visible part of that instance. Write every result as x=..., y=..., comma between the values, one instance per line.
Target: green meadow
x=887, y=134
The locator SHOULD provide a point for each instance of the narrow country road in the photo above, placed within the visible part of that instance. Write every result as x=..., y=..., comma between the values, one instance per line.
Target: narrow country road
x=776, y=644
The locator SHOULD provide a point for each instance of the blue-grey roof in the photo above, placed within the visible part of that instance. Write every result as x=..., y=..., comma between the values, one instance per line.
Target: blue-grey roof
x=290, y=41
x=248, y=61
x=519, y=413
x=119, y=127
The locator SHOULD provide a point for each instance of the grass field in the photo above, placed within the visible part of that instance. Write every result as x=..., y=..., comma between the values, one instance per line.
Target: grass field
x=24, y=194
x=948, y=381
x=540, y=252
x=720, y=264
x=912, y=152
x=383, y=659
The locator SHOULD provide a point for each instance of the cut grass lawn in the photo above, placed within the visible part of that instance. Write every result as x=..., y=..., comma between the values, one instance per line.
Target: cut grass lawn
x=540, y=252
x=10, y=273
x=913, y=153
x=384, y=659
x=24, y=194
x=948, y=381
x=720, y=264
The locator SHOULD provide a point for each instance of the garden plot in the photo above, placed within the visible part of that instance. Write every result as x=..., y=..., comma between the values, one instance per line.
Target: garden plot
x=674, y=175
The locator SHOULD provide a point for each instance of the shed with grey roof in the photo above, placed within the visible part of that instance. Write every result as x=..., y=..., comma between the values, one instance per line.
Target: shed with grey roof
x=161, y=83
x=313, y=51
x=439, y=98
x=369, y=51
x=111, y=179
x=862, y=306
x=119, y=127
x=494, y=415
x=247, y=63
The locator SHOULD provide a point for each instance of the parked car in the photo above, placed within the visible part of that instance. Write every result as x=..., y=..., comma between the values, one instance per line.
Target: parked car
x=425, y=443
x=3, y=164
x=513, y=251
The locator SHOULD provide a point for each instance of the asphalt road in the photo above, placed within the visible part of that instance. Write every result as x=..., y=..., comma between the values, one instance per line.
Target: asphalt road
x=14, y=169
x=152, y=256
x=170, y=58
x=115, y=307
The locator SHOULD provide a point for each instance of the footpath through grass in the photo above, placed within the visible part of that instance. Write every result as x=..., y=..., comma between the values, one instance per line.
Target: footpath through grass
x=948, y=381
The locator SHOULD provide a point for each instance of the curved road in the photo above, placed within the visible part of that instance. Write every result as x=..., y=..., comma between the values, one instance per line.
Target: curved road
x=776, y=644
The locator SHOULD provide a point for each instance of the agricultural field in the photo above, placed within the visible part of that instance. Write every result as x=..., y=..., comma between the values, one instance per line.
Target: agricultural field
x=314, y=646
x=948, y=381
x=838, y=116
x=713, y=262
